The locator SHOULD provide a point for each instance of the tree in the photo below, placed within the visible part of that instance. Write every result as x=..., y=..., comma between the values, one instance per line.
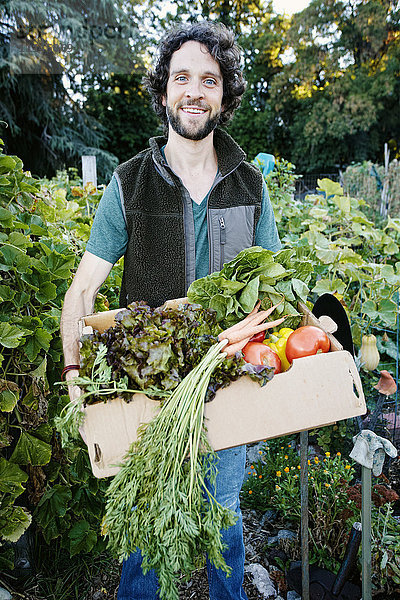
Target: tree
x=46, y=46
x=337, y=94
x=121, y=105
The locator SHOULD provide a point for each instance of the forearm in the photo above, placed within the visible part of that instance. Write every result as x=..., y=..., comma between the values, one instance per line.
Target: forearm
x=79, y=301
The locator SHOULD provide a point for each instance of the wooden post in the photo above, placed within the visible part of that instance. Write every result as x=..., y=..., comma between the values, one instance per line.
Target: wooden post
x=305, y=576
x=366, y=532
x=384, y=209
x=89, y=172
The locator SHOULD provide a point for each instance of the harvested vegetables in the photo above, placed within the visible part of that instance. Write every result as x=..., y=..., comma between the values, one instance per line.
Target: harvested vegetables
x=277, y=342
x=278, y=279
x=159, y=501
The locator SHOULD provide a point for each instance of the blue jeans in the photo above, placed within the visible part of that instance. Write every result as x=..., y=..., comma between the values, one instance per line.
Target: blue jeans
x=136, y=586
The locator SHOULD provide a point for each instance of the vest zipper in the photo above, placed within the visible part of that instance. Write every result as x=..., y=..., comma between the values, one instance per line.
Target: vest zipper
x=222, y=238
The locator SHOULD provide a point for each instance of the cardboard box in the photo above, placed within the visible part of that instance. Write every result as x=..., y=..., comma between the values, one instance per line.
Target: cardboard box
x=316, y=391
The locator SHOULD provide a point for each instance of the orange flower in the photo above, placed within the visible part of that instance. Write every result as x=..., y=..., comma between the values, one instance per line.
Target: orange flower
x=286, y=469
x=250, y=491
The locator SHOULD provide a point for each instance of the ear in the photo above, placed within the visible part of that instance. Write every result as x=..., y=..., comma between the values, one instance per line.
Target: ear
x=164, y=100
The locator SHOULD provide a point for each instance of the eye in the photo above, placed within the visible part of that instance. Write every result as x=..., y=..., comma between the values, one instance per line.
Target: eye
x=181, y=78
x=210, y=82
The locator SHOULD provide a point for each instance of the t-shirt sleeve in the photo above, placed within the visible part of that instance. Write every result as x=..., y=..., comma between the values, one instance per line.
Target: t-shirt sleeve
x=266, y=231
x=109, y=236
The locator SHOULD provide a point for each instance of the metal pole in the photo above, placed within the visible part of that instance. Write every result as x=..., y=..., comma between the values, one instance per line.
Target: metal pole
x=366, y=532
x=305, y=573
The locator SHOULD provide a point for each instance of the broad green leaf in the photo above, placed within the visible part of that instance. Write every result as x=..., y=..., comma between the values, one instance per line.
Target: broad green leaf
x=249, y=295
x=47, y=292
x=389, y=347
x=39, y=374
x=53, y=504
x=6, y=217
x=9, y=395
x=30, y=450
x=59, y=265
x=300, y=289
x=82, y=538
x=343, y=203
x=6, y=293
x=222, y=305
x=391, y=248
x=10, y=335
x=19, y=240
x=393, y=224
x=328, y=257
x=331, y=188
x=15, y=257
x=324, y=286
x=387, y=273
x=40, y=340
x=387, y=311
x=6, y=164
x=369, y=308
x=14, y=521
x=11, y=478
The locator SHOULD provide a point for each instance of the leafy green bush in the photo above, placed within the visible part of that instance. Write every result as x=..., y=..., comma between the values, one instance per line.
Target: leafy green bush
x=44, y=229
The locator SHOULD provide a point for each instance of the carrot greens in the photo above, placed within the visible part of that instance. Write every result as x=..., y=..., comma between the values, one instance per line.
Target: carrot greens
x=159, y=501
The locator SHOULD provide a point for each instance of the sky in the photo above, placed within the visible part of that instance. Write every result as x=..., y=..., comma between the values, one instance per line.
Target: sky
x=290, y=6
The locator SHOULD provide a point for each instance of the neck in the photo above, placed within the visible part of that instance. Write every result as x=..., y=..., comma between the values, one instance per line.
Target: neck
x=189, y=156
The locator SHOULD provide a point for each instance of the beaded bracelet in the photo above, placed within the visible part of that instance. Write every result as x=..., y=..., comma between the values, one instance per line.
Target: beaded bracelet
x=69, y=368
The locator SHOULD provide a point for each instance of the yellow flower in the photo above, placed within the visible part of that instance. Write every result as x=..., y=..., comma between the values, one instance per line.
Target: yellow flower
x=298, y=466
x=327, y=454
x=281, y=447
x=325, y=471
x=309, y=462
x=347, y=467
x=286, y=456
x=327, y=485
x=338, y=454
x=278, y=474
x=250, y=491
x=316, y=460
x=260, y=452
x=277, y=487
x=286, y=469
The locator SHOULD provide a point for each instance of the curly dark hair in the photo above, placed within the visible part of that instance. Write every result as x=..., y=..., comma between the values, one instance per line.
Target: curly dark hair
x=220, y=42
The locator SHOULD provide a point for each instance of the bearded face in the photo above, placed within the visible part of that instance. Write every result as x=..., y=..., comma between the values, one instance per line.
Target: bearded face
x=193, y=99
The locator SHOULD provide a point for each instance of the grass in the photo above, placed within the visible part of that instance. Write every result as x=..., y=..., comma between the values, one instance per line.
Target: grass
x=61, y=577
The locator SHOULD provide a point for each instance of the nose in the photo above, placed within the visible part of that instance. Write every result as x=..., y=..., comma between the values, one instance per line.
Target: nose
x=194, y=89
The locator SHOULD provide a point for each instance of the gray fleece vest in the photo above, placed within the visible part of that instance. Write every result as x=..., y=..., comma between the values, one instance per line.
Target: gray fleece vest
x=159, y=262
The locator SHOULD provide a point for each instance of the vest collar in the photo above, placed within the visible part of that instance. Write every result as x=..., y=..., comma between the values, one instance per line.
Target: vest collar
x=229, y=153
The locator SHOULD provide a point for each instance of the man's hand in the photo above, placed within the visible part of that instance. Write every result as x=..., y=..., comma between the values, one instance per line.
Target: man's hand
x=74, y=392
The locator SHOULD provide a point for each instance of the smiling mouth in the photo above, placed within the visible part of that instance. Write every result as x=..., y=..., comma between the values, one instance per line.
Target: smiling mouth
x=193, y=110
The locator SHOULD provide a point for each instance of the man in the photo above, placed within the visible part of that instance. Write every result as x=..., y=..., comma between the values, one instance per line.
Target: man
x=176, y=212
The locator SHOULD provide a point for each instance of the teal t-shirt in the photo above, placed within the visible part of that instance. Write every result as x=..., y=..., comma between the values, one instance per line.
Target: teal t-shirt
x=109, y=237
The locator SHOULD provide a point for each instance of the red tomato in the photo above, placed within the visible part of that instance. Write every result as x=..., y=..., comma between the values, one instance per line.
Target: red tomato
x=260, y=354
x=258, y=337
x=306, y=341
